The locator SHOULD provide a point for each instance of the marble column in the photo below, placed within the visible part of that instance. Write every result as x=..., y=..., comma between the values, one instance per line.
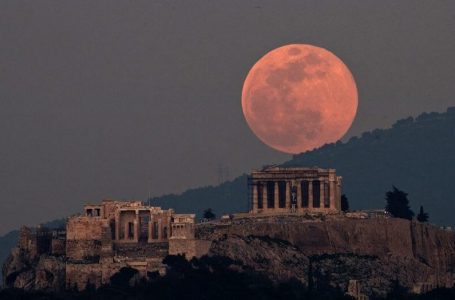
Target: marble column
x=338, y=194
x=276, y=196
x=255, y=198
x=160, y=229
x=321, y=193
x=117, y=225
x=149, y=232
x=299, y=194
x=310, y=194
x=168, y=226
x=288, y=195
x=332, y=195
x=152, y=227
x=149, y=227
x=126, y=227
x=265, y=204
x=136, y=227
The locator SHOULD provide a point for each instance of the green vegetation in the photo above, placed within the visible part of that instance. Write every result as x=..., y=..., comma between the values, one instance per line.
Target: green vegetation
x=208, y=214
x=344, y=203
x=422, y=216
x=398, y=204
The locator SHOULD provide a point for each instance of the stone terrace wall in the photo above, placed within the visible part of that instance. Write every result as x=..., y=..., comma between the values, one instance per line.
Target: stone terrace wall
x=87, y=239
x=189, y=247
x=58, y=247
x=78, y=275
x=83, y=250
x=85, y=228
x=133, y=250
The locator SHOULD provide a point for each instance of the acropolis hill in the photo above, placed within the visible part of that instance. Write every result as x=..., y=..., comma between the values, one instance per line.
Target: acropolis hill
x=294, y=222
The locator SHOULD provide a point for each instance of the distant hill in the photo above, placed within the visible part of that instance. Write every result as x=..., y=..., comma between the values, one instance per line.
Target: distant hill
x=228, y=197
x=416, y=155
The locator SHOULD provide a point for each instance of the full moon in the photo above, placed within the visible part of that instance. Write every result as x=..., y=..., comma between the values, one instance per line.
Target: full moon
x=299, y=97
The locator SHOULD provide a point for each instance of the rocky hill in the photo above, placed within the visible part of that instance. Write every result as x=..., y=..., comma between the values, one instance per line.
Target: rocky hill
x=416, y=155
x=374, y=251
x=8, y=241
x=328, y=250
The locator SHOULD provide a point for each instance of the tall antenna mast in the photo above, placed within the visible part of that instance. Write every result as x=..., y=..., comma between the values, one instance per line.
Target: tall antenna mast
x=149, y=200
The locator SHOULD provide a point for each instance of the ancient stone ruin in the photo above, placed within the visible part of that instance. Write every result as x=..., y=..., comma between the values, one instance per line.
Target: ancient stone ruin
x=276, y=189
x=105, y=238
x=295, y=225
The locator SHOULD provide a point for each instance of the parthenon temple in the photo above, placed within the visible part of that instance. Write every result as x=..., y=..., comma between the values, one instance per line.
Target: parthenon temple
x=296, y=189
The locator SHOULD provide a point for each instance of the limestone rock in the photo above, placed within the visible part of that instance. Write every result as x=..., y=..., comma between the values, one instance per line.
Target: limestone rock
x=374, y=251
x=42, y=273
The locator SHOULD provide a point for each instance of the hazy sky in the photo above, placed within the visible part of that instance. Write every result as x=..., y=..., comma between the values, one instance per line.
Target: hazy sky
x=105, y=98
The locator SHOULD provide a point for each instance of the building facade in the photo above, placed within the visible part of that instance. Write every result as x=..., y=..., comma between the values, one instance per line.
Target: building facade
x=134, y=222
x=294, y=190
x=114, y=234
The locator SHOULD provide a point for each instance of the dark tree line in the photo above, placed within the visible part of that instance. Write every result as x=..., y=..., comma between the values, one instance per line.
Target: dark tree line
x=208, y=214
x=344, y=203
x=398, y=206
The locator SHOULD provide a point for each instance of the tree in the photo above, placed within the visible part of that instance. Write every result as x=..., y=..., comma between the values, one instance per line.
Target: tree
x=123, y=277
x=344, y=203
x=209, y=214
x=397, y=291
x=422, y=216
x=398, y=204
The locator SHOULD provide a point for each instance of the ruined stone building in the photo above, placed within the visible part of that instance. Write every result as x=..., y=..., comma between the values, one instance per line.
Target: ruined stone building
x=115, y=234
x=365, y=250
x=40, y=240
x=107, y=237
x=278, y=189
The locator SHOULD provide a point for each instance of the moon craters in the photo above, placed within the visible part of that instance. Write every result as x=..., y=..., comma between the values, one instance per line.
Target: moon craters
x=299, y=97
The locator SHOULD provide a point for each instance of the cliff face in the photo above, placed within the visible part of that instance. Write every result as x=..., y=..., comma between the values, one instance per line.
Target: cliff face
x=374, y=251
x=375, y=237
x=328, y=250
x=23, y=271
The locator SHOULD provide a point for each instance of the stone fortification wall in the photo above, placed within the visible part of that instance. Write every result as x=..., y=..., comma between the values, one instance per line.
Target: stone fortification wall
x=85, y=228
x=189, y=247
x=133, y=250
x=88, y=239
x=78, y=276
x=375, y=250
x=58, y=247
x=83, y=250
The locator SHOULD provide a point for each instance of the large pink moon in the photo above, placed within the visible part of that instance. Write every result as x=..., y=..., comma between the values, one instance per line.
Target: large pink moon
x=299, y=97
